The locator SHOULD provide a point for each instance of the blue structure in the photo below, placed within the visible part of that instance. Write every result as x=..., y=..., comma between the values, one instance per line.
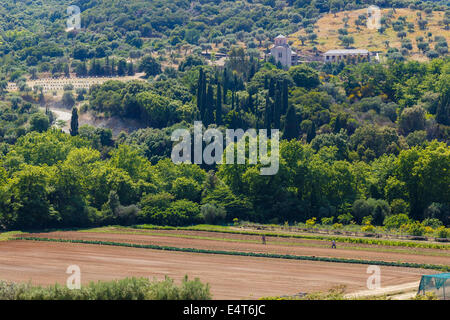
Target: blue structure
x=439, y=284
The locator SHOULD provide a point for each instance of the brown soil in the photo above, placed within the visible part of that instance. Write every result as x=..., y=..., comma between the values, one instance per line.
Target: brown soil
x=285, y=245
x=230, y=277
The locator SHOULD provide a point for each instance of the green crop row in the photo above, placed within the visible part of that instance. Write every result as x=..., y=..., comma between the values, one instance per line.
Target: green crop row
x=383, y=242
x=247, y=254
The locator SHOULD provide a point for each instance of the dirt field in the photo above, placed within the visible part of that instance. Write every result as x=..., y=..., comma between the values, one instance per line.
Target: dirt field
x=248, y=243
x=230, y=277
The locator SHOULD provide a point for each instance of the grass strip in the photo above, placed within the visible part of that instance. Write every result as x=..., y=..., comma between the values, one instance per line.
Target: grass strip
x=247, y=254
x=384, y=242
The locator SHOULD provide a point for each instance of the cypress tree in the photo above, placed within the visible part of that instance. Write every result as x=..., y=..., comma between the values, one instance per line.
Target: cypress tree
x=250, y=103
x=226, y=85
x=232, y=100
x=311, y=134
x=200, y=92
x=204, y=96
x=74, y=122
x=267, y=116
x=219, y=105
x=271, y=88
x=113, y=67
x=285, y=97
x=209, y=109
x=122, y=68
x=277, y=108
x=291, y=127
x=131, y=69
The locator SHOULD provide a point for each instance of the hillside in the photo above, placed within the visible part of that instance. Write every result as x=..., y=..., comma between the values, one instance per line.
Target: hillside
x=327, y=31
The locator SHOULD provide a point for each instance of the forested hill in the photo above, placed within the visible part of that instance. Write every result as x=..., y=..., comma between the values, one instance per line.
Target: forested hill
x=32, y=33
x=361, y=142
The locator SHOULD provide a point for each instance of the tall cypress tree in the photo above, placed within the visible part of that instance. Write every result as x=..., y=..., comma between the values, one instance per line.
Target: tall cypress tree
x=200, y=92
x=277, y=108
x=131, y=69
x=285, y=97
x=209, y=108
x=232, y=100
x=204, y=96
x=291, y=126
x=272, y=88
x=226, y=85
x=74, y=122
x=250, y=106
x=219, y=105
x=267, y=115
x=311, y=134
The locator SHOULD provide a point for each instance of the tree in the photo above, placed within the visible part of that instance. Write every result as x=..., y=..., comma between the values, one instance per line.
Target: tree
x=122, y=68
x=28, y=199
x=219, y=105
x=74, y=122
x=291, y=127
x=305, y=76
x=68, y=99
x=39, y=122
x=347, y=41
x=443, y=108
x=209, y=111
x=412, y=119
x=150, y=66
x=425, y=174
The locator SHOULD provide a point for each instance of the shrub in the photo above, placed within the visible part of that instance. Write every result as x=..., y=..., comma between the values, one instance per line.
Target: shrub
x=327, y=221
x=337, y=226
x=443, y=232
x=414, y=228
x=432, y=222
x=125, y=289
x=367, y=220
x=396, y=221
x=179, y=213
x=311, y=222
x=212, y=214
x=427, y=296
x=345, y=218
x=368, y=228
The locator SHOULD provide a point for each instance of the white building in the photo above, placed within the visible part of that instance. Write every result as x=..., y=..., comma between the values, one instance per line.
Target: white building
x=354, y=55
x=282, y=52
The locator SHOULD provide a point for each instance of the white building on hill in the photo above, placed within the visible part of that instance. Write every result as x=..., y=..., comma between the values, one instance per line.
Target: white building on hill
x=282, y=52
x=355, y=55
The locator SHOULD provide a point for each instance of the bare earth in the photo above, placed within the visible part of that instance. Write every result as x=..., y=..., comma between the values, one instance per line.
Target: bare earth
x=230, y=277
x=276, y=245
